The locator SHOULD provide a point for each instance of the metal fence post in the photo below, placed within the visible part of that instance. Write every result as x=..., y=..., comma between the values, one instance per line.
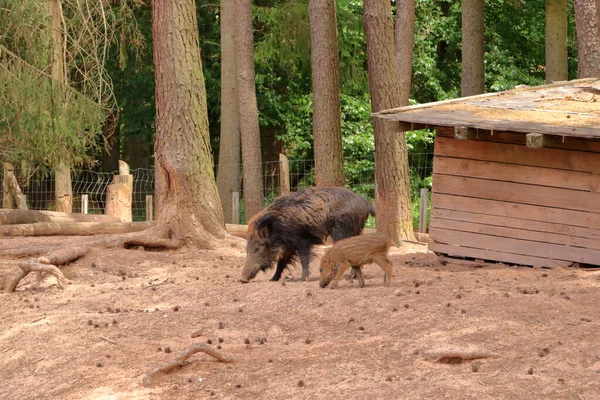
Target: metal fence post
x=235, y=207
x=84, y=203
x=423, y=211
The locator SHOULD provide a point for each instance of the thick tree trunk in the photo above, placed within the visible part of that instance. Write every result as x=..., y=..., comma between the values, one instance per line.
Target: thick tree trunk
x=327, y=127
x=473, y=53
x=405, y=38
x=248, y=109
x=587, y=20
x=228, y=174
x=112, y=135
x=190, y=209
x=391, y=158
x=63, y=191
x=556, y=40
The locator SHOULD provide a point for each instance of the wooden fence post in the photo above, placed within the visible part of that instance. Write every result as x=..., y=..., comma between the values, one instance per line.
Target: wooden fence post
x=149, y=207
x=423, y=211
x=284, y=174
x=23, y=205
x=235, y=207
x=6, y=195
x=119, y=194
x=84, y=203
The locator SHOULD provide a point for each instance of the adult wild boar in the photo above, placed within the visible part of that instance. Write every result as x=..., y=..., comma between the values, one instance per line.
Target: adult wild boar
x=294, y=223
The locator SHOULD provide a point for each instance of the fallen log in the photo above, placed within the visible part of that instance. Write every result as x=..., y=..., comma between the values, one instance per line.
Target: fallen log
x=72, y=228
x=12, y=217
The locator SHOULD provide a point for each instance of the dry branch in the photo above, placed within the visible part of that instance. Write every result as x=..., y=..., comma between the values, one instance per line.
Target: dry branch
x=34, y=265
x=457, y=356
x=181, y=359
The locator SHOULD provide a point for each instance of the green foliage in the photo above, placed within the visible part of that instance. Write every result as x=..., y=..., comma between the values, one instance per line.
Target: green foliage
x=41, y=121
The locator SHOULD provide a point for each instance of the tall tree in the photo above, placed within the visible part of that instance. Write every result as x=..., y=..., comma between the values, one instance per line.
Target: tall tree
x=327, y=127
x=189, y=209
x=405, y=38
x=63, y=191
x=473, y=53
x=391, y=157
x=248, y=109
x=556, y=40
x=587, y=21
x=228, y=174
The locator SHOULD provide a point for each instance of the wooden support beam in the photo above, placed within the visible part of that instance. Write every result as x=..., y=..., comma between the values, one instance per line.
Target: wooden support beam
x=536, y=140
x=284, y=174
x=413, y=126
x=464, y=133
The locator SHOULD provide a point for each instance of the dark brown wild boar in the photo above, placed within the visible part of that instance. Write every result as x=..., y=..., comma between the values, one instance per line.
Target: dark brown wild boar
x=353, y=253
x=294, y=223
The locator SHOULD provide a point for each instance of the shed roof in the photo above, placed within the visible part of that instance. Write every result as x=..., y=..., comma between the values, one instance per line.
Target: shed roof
x=570, y=108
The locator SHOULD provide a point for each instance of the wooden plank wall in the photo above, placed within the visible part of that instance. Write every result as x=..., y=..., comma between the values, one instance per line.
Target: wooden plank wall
x=499, y=200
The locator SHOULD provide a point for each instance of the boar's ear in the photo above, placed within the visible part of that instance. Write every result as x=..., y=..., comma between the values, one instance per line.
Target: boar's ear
x=263, y=226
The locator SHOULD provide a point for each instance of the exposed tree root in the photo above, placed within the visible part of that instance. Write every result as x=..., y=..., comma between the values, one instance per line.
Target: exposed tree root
x=457, y=357
x=181, y=359
x=151, y=242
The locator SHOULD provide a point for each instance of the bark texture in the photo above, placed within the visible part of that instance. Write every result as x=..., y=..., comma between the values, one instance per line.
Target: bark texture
x=405, y=38
x=63, y=191
x=391, y=159
x=248, y=109
x=473, y=79
x=189, y=207
x=228, y=174
x=327, y=127
x=556, y=40
x=587, y=20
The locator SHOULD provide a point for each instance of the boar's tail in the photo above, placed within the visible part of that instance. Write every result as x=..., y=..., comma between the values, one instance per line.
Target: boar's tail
x=372, y=210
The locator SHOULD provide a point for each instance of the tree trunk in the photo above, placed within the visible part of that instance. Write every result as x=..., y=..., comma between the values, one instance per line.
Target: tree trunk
x=63, y=191
x=111, y=132
x=587, y=21
x=190, y=209
x=327, y=127
x=405, y=38
x=248, y=109
x=473, y=53
x=228, y=174
x=391, y=159
x=556, y=40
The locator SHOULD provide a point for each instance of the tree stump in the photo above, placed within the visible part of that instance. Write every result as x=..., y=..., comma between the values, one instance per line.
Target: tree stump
x=119, y=194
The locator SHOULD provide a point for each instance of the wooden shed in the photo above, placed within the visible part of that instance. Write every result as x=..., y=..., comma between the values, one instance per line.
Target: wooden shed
x=516, y=174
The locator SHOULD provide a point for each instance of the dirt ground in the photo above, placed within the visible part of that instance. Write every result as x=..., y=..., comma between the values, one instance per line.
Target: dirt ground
x=304, y=342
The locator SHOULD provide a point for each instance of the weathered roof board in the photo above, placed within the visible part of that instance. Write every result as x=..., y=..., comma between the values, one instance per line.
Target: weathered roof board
x=562, y=108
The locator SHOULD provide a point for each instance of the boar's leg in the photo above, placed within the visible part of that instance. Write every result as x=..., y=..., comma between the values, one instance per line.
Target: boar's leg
x=304, y=253
x=359, y=275
x=386, y=266
x=281, y=265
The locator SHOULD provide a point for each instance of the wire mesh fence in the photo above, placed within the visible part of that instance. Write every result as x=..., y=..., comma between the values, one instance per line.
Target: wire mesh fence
x=38, y=186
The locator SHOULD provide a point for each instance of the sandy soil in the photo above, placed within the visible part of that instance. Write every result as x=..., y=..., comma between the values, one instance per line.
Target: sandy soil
x=304, y=342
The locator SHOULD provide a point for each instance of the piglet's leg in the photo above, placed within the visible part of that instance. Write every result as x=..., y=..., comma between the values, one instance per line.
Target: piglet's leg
x=338, y=274
x=386, y=266
x=359, y=275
